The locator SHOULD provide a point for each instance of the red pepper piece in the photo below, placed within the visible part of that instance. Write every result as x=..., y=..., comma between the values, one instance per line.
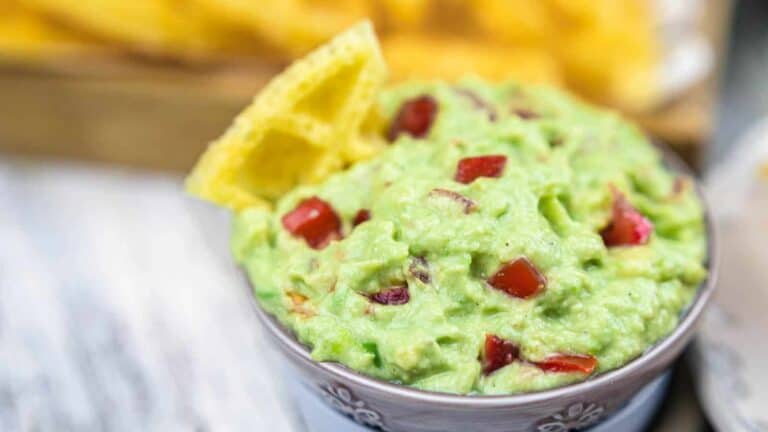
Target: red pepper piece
x=361, y=216
x=585, y=364
x=471, y=168
x=498, y=353
x=315, y=221
x=628, y=226
x=519, y=278
x=414, y=118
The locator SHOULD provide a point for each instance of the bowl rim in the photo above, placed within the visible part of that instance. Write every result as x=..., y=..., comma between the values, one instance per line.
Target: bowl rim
x=634, y=367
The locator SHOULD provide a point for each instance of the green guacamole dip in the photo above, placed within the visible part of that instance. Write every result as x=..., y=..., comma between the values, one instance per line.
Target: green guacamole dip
x=566, y=163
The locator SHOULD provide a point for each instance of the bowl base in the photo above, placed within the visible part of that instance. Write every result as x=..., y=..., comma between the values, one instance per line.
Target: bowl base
x=634, y=417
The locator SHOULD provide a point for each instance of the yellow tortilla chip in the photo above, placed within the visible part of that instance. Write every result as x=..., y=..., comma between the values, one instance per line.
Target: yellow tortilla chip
x=26, y=36
x=155, y=26
x=302, y=126
x=515, y=21
x=405, y=14
x=413, y=56
x=295, y=26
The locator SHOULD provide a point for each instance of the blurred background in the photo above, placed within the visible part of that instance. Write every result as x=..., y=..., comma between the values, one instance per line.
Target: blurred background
x=113, y=79
x=117, y=310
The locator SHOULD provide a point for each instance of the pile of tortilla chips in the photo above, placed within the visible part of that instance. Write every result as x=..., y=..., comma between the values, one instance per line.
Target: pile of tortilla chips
x=606, y=50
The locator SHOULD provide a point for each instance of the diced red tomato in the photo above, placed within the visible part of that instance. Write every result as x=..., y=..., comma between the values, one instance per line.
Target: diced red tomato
x=498, y=353
x=628, y=226
x=315, y=221
x=585, y=364
x=471, y=168
x=414, y=118
x=519, y=278
x=361, y=216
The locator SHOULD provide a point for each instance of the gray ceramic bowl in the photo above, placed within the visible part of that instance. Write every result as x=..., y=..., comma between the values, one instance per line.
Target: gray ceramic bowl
x=390, y=407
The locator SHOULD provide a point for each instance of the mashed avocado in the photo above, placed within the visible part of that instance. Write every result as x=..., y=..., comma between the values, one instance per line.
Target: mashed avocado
x=574, y=243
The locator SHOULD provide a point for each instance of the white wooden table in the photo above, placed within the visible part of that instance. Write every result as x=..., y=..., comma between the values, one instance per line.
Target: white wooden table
x=121, y=311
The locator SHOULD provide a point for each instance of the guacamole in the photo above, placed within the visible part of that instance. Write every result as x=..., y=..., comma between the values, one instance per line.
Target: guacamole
x=509, y=239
